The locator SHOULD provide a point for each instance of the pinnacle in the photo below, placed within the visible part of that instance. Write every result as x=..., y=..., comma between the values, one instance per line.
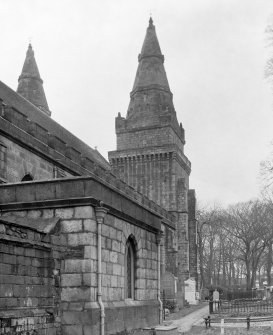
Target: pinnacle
x=151, y=70
x=30, y=84
x=151, y=45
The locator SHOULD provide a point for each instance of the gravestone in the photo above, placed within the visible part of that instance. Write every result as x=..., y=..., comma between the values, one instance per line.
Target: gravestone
x=215, y=296
x=169, y=285
x=190, y=291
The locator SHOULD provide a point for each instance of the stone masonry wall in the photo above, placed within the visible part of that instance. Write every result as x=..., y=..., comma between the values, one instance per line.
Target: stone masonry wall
x=80, y=312
x=150, y=137
x=154, y=175
x=79, y=274
x=20, y=161
x=29, y=290
x=72, y=203
x=162, y=178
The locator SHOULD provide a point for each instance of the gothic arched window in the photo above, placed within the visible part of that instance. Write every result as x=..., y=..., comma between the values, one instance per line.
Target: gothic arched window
x=130, y=265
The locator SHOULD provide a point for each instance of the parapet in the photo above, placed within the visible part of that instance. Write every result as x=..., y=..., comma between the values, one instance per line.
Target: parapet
x=83, y=164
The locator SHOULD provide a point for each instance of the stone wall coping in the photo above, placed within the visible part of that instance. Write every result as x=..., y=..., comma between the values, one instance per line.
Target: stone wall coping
x=84, y=187
x=40, y=225
x=83, y=167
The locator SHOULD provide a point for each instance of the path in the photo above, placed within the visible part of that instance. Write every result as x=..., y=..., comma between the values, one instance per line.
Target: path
x=185, y=323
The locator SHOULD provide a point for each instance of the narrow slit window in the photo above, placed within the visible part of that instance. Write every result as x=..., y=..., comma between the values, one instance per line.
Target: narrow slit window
x=130, y=270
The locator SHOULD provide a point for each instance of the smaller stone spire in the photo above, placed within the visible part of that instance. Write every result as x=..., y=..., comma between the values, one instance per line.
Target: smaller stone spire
x=30, y=84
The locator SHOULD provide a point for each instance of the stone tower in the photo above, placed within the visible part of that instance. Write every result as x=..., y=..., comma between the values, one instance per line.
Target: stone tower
x=150, y=152
x=30, y=84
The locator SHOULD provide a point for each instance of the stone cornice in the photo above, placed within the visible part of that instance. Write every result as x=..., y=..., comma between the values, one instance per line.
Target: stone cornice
x=81, y=190
x=150, y=153
x=86, y=166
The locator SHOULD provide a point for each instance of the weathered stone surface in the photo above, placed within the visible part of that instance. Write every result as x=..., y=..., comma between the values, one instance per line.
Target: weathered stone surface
x=84, y=212
x=90, y=279
x=75, y=294
x=81, y=239
x=71, y=279
x=90, y=225
x=90, y=252
x=72, y=330
x=71, y=226
x=64, y=213
x=26, y=270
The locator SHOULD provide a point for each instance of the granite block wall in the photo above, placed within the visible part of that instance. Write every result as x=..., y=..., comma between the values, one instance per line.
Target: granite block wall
x=20, y=161
x=29, y=285
x=81, y=312
x=76, y=279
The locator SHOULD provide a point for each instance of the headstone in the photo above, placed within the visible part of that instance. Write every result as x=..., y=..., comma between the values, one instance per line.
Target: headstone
x=190, y=291
x=215, y=296
x=169, y=285
x=197, y=295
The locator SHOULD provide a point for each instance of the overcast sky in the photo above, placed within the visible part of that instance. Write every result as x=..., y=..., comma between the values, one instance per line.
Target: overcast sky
x=215, y=53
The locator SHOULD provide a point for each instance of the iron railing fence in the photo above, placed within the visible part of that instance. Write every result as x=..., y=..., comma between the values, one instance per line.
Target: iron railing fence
x=243, y=306
x=240, y=294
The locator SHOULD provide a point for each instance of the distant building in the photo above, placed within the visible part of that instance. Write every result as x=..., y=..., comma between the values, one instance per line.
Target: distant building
x=81, y=247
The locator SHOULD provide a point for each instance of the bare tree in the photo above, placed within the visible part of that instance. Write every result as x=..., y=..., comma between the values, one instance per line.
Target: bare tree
x=247, y=225
x=235, y=243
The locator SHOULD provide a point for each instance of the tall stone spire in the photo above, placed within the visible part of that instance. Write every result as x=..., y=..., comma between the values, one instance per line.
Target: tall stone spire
x=150, y=154
x=150, y=73
x=30, y=84
x=151, y=100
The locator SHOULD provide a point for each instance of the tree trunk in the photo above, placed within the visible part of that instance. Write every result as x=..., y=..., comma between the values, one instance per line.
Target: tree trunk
x=248, y=276
x=201, y=260
x=224, y=268
x=269, y=264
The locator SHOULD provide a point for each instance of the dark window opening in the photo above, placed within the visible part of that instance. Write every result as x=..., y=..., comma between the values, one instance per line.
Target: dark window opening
x=27, y=177
x=130, y=265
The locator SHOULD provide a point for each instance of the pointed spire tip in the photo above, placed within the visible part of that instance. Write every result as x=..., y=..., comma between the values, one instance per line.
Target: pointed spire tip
x=151, y=22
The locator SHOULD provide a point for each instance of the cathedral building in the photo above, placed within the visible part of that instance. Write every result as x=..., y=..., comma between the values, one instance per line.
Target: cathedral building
x=84, y=243
x=150, y=156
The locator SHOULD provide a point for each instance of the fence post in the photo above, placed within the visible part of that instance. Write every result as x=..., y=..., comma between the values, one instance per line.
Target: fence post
x=164, y=305
x=210, y=306
x=222, y=326
x=248, y=323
